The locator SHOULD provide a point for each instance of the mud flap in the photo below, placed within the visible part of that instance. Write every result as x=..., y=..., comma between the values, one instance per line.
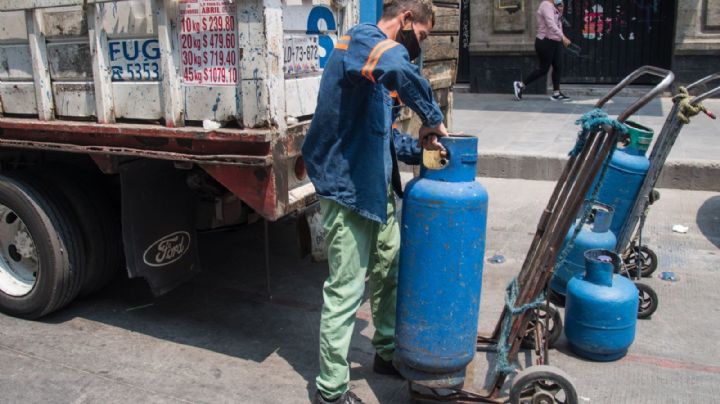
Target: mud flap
x=158, y=218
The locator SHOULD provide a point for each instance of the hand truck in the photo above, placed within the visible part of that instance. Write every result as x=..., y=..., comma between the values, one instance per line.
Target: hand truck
x=542, y=382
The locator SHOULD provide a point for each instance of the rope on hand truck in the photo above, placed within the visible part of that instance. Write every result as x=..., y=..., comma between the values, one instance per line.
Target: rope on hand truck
x=591, y=121
x=687, y=110
x=502, y=365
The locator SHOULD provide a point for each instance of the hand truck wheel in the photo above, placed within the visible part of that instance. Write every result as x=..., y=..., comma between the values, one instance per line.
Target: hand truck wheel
x=537, y=319
x=648, y=301
x=543, y=384
x=646, y=256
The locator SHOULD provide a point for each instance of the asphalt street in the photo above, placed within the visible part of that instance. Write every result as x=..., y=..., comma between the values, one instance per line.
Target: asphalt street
x=221, y=339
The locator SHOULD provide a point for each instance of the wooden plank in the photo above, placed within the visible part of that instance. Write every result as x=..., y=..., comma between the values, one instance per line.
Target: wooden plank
x=301, y=95
x=205, y=102
x=443, y=97
x=12, y=27
x=18, y=98
x=447, y=20
x=41, y=72
x=440, y=74
x=169, y=60
x=15, y=62
x=74, y=99
x=138, y=100
x=441, y=47
x=69, y=60
x=444, y=3
x=65, y=23
x=262, y=87
x=104, y=109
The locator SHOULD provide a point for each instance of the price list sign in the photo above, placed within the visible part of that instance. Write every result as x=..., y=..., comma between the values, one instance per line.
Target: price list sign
x=208, y=42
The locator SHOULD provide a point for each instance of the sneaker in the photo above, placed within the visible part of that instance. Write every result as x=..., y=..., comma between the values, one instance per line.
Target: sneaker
x=560, y=97
x=518, y=88
x=347, y=397
x=383, y=367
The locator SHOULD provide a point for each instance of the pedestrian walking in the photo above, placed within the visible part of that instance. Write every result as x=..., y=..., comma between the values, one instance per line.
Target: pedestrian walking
x=351, y=152
x=549, y=43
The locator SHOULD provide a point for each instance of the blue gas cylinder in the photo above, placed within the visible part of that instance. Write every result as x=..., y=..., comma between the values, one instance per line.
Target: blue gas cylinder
x=625, y=174
x=594, y=235
x=601, y=309
x=441, y=260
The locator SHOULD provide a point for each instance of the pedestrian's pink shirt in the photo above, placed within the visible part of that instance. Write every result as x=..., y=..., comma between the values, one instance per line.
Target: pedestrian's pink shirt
x=549, y=22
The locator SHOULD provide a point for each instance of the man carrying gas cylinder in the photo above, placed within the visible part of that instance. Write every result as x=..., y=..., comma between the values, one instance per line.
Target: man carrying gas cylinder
x=351, y=152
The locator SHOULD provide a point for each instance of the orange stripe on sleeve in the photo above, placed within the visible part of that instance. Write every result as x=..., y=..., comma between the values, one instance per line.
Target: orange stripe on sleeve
x=394, y=94
x=374, y=57
x=391, y=45
x=342, y=46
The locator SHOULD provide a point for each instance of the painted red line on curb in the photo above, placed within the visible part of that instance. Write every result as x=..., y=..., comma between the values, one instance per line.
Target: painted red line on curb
x=671, y=364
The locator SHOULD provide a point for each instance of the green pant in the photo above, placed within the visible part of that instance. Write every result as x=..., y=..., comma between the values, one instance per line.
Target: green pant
x=356, y=244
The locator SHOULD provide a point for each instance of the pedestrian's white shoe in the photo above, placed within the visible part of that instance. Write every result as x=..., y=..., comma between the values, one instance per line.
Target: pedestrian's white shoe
x=518, y=89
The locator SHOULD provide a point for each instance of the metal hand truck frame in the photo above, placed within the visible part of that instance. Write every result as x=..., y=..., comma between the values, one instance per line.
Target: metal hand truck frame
x=639, y=260
x=543, y=382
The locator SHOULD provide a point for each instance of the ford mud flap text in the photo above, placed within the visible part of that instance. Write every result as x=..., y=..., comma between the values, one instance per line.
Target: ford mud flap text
x=158, y=214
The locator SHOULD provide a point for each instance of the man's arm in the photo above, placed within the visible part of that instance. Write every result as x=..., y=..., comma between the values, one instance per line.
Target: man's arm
x=388, y=63
x=406, y=148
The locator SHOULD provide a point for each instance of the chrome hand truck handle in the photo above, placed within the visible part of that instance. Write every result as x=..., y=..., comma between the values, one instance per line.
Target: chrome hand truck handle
x=668, y=78
x=710, y=93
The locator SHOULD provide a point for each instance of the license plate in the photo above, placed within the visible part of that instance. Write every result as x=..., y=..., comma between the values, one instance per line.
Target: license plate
x=301, y=54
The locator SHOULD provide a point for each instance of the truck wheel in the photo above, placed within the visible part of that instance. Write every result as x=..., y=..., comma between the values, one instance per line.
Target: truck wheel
x=41, y=261
x=98, y=220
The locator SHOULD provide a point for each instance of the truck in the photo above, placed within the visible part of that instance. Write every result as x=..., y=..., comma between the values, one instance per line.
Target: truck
x=127, y=126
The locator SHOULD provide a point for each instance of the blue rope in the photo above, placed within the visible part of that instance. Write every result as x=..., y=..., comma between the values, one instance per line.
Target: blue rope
x=592, y=121
x=502, y=365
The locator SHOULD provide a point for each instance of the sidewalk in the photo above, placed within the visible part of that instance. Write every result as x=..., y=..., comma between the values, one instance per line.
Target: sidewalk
x=530, y=139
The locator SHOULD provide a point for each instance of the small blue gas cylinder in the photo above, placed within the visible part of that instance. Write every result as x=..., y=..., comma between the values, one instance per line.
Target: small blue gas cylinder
x=601, y=309
x=594, y=235
x=441, y=260
x=625, y=174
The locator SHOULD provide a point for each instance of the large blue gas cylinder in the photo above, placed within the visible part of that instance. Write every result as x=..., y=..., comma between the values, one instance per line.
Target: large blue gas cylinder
x=441, y=260
x=601, y=309
x=625, y=174
x=595, y=234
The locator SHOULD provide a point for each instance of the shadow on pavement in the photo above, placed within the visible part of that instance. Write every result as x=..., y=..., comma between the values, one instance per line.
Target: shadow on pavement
x=708, y=220
x=226, y=310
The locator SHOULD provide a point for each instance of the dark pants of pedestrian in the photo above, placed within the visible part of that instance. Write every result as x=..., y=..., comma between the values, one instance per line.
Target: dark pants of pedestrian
x=549, y=53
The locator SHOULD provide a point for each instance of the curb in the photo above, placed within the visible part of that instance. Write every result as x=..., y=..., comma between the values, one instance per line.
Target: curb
x=696, y=175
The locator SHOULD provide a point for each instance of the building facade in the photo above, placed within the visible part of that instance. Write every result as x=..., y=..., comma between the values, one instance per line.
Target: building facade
x=613, y=37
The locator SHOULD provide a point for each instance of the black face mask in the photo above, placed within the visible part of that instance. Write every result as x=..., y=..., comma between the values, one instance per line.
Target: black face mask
x=408, y=39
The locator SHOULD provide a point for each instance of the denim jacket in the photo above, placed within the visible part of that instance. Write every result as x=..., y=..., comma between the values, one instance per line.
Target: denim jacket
x=347, y=149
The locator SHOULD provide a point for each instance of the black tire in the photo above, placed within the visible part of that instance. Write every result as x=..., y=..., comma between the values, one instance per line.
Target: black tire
x=649, y=262
x=538, y=316
x=543, y=383
x=57, y=244
x=648, y=301
x=97, y=217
